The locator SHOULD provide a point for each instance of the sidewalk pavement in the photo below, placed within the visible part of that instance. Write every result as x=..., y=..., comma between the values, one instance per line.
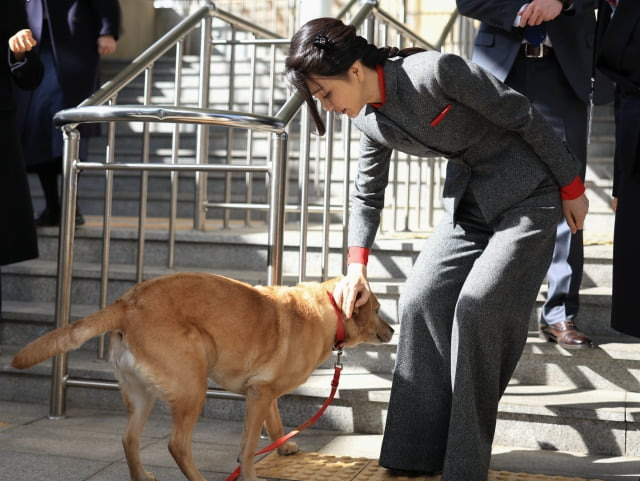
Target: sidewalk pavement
x=86, y=446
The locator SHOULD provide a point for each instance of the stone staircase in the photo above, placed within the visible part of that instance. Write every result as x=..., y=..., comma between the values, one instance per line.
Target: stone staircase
x=582, y=401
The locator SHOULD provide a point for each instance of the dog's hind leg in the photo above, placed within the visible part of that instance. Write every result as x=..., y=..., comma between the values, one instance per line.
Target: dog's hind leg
x=276, y=431
x=138, y=399
x=185, y=409
x=139, y=402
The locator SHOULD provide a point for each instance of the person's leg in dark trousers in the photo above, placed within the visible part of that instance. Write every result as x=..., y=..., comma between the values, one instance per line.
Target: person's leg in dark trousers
x=42, y=142
x=544, y=83
x=625, y=302
x=464, y=322
x=48, y=174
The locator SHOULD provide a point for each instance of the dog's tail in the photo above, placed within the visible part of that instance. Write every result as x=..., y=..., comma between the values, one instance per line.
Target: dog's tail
x=69, y=337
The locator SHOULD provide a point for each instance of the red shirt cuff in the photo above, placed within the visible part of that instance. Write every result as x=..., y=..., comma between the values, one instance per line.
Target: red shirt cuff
x=573, y=190
x=357, y=255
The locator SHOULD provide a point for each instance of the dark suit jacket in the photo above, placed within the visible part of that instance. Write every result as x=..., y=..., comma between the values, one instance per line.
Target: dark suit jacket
x=618, y=45
x=500, y=149
x=572, y=37
x=18, y=239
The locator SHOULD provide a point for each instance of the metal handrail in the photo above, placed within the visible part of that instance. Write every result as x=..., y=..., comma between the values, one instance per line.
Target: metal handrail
x=72, y=167
x=68, y=119
x=244, y=24
x=447, y=28
x=92, y=111
x=400, y=27
x=138, y=65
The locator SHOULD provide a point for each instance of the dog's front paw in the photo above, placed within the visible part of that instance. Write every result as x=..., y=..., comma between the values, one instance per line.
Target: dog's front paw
x=288, y=448
x=144, y=476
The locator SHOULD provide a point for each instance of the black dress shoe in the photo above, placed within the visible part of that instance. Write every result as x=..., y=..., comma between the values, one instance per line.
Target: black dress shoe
x=48, y=218
x=399, y=473
x=565, y=334
x=79, y=218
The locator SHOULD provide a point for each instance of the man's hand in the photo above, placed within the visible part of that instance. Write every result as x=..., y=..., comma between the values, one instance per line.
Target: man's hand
x=538, y=11
x=575, y=211
x=106, y=44
x=21, y=42
x=353, y=289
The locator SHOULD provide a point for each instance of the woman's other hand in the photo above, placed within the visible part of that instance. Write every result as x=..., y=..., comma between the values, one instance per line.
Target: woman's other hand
x=575, y=210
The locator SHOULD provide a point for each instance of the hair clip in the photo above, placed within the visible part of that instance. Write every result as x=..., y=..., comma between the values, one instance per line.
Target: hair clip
x=323, y=42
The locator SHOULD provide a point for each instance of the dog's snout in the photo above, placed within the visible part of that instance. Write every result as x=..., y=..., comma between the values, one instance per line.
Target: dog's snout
x=385, y=335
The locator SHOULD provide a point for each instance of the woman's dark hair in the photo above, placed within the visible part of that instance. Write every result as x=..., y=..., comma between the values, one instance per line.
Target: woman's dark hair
x=326, y=47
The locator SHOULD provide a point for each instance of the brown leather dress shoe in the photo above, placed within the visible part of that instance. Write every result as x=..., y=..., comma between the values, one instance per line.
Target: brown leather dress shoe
x=565, y=334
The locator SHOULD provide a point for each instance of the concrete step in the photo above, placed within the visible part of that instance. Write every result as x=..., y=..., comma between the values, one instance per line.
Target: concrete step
x=126, y=194
x=35, y=281
x=554, y=418
x=613, y=365
x=241, y=253
x=162, y=92
x=243, y=247
x=601, y=145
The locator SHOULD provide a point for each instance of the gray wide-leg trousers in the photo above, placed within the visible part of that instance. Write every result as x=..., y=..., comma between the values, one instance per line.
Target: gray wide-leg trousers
x=464, y=315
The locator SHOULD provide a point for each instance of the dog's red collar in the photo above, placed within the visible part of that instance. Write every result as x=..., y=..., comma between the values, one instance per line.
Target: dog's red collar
x=339, y=342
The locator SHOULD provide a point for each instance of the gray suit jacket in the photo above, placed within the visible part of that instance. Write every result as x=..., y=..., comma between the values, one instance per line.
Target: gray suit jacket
x=500, y=149
x=572, y=36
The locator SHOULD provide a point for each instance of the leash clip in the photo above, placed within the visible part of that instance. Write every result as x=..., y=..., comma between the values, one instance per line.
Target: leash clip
x=338, y=364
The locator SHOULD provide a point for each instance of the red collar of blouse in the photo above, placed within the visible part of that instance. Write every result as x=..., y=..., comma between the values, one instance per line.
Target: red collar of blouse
x=383, y=92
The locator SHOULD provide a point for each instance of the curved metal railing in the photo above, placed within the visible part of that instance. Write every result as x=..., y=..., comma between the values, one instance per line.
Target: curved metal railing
x=68, y=119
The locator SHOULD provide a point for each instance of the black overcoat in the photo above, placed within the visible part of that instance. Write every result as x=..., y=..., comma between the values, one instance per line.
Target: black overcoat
x=18, y=239
x=618, y=57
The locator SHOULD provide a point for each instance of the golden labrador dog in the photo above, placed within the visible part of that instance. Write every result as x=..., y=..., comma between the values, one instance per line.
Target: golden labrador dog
x=170, y=333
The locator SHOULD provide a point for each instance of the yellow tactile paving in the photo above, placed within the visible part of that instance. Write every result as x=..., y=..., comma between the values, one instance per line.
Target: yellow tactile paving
x=310, y=467
x=505, y=476
x=325, y=467
x=373, y=472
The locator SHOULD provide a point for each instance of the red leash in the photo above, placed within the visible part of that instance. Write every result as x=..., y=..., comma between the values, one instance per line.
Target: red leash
x=337, y=346
x=306, y=424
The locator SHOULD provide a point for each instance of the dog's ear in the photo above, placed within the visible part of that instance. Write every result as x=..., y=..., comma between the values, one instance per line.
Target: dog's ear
x=364, y=308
